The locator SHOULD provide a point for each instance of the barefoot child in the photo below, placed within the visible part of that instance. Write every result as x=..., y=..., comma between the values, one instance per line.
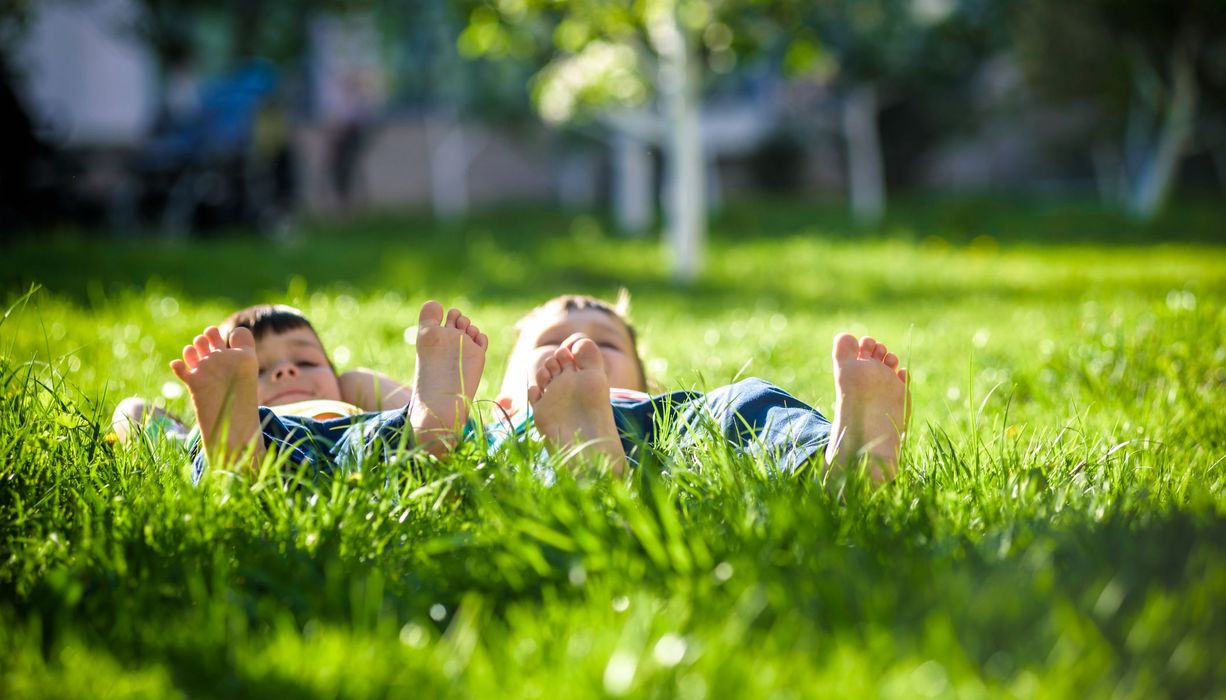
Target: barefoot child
x=576, y=367
x=270, y=384
x=360, y=389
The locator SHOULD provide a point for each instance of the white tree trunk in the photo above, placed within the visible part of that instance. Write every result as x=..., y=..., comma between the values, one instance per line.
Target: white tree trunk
x=576, y=180
x=633, y=184
x=678, y=84
x=865, y=166
x=451, y=154
x=1157, y=175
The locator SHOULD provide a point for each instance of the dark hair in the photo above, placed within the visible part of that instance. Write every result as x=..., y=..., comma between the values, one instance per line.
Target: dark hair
x=266, y=318
x=263, y=319
x=567, y=303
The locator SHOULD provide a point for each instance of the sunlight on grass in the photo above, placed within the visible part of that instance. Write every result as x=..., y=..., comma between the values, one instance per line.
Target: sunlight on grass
x=1059, y=527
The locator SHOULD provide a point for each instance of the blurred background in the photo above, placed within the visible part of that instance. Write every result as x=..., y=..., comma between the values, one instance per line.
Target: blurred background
x=174, y=118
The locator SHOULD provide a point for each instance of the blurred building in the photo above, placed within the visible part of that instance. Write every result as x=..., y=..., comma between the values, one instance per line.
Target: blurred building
x=360, y=138
x=86, y=78
x=91, y=84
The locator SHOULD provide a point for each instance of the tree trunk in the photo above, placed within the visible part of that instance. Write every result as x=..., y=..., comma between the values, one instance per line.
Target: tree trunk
x=575, y=180
x=633, y=184
x=679, y=80
x=1157, y=176
x=451, y=154
x=865, y=168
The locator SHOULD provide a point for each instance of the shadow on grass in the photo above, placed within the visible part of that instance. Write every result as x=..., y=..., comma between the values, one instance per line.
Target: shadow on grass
x=1011, y=600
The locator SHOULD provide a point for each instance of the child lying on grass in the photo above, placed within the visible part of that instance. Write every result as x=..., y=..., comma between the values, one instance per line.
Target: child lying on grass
x=301, y=380
x=576, y=366
x=269, y=383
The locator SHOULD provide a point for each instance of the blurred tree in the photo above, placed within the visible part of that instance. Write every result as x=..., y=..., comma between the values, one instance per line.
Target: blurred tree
x=880, y=51
x=426, y=69
x=453, y=92
x=14, y=16
x=273, y=30
x=1155, y=69
x=637, y=64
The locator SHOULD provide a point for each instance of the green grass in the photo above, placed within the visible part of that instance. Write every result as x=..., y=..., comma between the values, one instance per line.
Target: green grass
x=1058, y=529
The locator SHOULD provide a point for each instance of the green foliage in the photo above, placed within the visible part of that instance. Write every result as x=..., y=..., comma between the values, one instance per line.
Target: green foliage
x=1059, y=527
x=597, y=55
x=1119, y=54
x=175, y=29
x=904, y=45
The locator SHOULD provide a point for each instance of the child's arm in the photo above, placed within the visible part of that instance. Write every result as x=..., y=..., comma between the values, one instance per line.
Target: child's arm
x=373, y=391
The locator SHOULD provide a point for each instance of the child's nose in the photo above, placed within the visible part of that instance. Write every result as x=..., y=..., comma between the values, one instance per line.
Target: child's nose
x=285, y=370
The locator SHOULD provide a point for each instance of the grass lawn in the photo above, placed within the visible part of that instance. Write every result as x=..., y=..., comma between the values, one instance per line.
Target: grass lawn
x=1058, y=528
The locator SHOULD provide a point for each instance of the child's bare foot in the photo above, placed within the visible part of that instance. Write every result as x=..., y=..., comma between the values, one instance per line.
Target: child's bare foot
x=871, y=407
x=223, y=382
x=570, y=402
x=450, y=359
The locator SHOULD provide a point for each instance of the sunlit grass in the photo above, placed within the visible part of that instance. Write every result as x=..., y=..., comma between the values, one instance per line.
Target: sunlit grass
x=1059, y=527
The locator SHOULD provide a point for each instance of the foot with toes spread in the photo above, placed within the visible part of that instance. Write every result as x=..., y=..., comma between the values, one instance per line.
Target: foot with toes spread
x=222, y=376
x=871, y=406
x=570, y=402
x=450, y=360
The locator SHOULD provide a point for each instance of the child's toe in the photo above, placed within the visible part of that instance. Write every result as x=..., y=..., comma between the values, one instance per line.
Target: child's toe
x=867, y=345
x=431, y=314
x=214, y=337
x=572, y=339
x=587, y=353
x=566, y=358
x=543, y=375
x=845, y=347
x=242, y=339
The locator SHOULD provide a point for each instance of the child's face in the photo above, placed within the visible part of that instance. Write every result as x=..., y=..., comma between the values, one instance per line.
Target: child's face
x=537, y=343
x=294, y=367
